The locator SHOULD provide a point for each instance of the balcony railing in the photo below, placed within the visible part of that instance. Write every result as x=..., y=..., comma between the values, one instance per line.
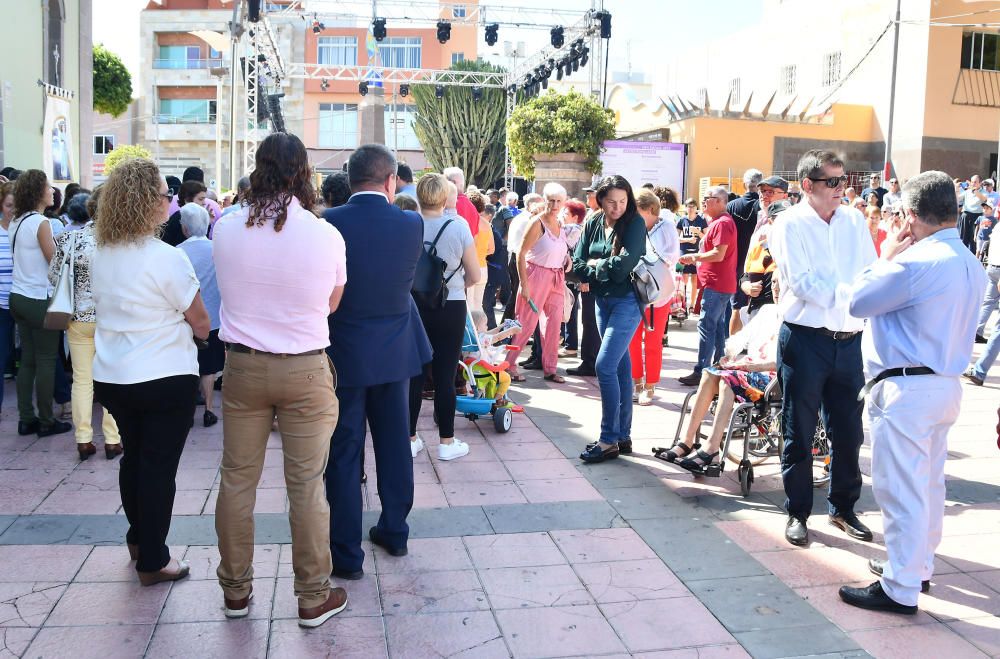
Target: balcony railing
x=184, y=119
x=182, y=64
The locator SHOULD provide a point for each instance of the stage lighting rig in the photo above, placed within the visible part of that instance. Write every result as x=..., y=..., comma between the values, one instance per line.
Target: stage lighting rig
x=363, y=88
x=404, y=90
x=491, y=34
x=439, y=91
x=324, y=84
x=557, y=37
x=317, y=27
x=477, y=94
x=378, y=29
x=604, y=17
x=443, y=31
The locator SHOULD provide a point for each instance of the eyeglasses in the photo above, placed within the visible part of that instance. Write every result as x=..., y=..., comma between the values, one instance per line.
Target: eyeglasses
x=832, y=182
x=167, y=195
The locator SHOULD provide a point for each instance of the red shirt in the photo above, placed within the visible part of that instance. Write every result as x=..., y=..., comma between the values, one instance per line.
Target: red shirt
x=720, y=276
x=468, y=212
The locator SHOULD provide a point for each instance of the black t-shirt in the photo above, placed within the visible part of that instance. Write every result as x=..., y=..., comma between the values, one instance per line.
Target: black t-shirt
x=744, y=213
x=684, y=226
x=173, y=234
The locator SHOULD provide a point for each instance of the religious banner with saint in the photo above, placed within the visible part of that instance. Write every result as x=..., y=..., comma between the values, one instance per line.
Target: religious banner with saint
x=57, y=138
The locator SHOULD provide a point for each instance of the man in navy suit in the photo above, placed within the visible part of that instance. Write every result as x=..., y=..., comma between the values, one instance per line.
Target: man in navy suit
x=377, y=344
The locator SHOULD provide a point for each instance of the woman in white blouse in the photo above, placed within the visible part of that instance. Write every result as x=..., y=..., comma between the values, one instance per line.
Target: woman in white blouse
x=80, y=334
x=149, y=318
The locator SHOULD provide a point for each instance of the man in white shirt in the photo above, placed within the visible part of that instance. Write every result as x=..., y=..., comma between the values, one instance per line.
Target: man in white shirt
x=921, y=299
x=894, y=196
x=820, y=246
x=972, y=210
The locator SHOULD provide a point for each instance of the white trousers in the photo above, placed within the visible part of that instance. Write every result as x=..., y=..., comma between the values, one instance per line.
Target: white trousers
x=910, y=418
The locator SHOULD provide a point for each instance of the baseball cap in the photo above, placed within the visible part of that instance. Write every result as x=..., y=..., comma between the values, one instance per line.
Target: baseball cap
x=589, y=188
x=989, y=181
x=776, y=182
x=777, y=206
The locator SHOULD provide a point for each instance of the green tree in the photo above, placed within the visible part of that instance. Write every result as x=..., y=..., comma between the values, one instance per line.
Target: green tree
x=559, y=123
x=112, y=83
x=124, y=152
x=457, y=131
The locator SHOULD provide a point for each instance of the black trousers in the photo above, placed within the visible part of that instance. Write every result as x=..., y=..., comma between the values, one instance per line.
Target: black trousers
x=590, y=342
x=819, y=374
x=154, y=419
x=445, y=328
x=967, y=229
x=515, y=284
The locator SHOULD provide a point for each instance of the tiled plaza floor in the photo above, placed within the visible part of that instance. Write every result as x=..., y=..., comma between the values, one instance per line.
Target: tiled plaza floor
x=518, y=550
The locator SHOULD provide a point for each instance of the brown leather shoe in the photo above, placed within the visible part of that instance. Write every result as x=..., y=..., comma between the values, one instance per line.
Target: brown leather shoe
x=112, y=451
x=314, y=616
x=153, y=578
x=239, y=608
x=86, y=450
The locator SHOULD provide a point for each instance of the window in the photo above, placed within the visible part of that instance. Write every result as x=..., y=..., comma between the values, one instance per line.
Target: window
x=400, y=52
x=214, y=57
x=180, y=57
x=103, y=144
x=702, y=96
x=458, y=11
x=338, y=125
x=734, y=91
x=831, y=69
x=399, y=120
x=457, y=57
x=186, y=111
x=787, y=81
x=337, y=51
x=981, y=51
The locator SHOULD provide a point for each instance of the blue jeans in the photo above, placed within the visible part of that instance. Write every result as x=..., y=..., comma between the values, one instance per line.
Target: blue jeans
x=713, y=328
x=990, y=300
x=820, y=374
x=6, y=343
x=982, y=366
x=617, y=320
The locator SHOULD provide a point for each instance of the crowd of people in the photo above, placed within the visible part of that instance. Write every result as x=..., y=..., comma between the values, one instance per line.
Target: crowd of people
x=810, y=285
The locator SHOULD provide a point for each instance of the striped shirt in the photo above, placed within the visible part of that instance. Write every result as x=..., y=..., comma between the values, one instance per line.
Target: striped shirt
x=6, y=268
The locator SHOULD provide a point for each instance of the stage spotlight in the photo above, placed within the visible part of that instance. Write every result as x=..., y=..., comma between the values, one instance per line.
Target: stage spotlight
x=585, y=57
x=378, y=29
x=557, y=37
x=443, y=31
x=491, y=34
x=605, y=18
x=477, y=94
x=324, y=85
x=363, y=88
x=576, y=65
x=317, y=27
x=559, y=71
x=438, y=91
x=261, y=57
x=404, y=90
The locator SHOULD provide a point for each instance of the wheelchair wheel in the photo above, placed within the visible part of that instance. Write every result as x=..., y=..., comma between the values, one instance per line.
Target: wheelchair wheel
x=503, y=419
x=745, y=471
x=759, y=438
x=821, y=455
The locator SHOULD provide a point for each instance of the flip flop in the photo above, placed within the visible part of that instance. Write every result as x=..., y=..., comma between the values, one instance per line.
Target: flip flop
x=555, y=377
x=517, y=378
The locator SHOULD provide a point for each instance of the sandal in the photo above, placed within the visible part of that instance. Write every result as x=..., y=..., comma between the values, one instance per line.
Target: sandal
x=667, y=454
x=517, y=378
x=699, y=463
x=554, y=377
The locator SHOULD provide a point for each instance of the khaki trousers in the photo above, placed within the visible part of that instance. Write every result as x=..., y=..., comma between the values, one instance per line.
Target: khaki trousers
x=81, y=349
x=300, y=390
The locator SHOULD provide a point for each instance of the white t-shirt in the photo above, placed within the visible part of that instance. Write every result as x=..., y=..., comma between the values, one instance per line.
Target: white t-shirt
x=454, y=240
x=517, y=231
x=31, y=270
x=140, y=294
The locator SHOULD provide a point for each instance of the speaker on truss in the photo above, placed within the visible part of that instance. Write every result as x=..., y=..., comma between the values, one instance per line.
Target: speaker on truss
x=253, y=10
x=274, y=110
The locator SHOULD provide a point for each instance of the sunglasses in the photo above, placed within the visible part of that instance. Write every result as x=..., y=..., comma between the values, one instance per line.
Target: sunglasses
x=832, y=182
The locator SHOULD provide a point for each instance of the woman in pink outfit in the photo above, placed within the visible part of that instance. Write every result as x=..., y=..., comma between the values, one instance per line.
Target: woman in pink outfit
x=540, y=268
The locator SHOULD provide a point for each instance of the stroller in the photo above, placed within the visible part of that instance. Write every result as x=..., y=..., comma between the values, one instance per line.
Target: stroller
x=481, y=368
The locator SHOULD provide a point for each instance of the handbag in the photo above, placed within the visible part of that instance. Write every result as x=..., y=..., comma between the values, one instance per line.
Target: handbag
x=60, y=310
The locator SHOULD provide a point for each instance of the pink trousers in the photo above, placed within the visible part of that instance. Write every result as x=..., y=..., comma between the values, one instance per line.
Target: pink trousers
x=546, y=287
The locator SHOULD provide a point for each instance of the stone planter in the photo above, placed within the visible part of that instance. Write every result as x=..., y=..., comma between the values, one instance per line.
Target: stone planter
x=568, y=169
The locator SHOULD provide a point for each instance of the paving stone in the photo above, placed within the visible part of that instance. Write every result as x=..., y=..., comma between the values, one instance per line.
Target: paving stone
x=796, y=641
x=338, y=638
x=754, y=603
x=550, y=516
x=462, y=635
x=41, y=530
x=94, y=642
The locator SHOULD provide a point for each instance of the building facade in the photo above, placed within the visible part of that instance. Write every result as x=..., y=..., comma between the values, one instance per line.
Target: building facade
x=109, y=132
x=48, y=54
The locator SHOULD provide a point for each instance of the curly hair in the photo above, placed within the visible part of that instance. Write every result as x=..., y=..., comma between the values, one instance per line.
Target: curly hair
x=281, y=172
x=130, y=206
x=6, y=189
x=95, y=196
x=476, y=197
x=29, y=191
x=336, y=189
x=668, y=198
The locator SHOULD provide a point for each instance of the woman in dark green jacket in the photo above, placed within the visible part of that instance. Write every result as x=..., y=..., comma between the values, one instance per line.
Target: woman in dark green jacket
x=612, y=243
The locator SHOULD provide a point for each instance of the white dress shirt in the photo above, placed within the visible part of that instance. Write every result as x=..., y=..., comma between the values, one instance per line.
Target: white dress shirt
x=922, y=306
x=818, y=262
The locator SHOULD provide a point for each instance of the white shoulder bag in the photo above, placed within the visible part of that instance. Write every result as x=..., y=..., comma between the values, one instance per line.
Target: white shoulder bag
x=61, y=306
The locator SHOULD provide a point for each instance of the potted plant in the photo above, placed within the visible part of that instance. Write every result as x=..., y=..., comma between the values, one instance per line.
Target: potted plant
x=558, y=137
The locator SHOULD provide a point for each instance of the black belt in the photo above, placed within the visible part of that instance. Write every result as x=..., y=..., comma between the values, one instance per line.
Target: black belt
x=895, y=373
x=239, y=347
x=836, y=336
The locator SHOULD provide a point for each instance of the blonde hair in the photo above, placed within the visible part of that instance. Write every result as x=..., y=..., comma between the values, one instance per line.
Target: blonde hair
x=432, y=191
x=648, y=201
x=129, y=203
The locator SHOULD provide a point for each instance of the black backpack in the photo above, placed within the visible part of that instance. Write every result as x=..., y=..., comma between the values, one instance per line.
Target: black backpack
x=430, y=286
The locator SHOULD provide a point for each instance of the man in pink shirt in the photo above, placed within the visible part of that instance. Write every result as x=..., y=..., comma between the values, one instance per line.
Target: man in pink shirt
x=464, y=206
x=281, y=271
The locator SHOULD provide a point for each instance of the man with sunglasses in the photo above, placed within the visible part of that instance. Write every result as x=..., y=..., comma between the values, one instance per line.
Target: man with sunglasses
x=820, y=246
x=875, y=185
x=894, y=196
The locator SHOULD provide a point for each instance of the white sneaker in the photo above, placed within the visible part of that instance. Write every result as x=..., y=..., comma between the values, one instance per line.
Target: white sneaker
x=416, y=446
x=456, y=449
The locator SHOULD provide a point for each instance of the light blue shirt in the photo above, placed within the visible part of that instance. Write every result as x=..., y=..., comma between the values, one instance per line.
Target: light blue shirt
x=410, y=190
x=199, y=252
x=922, y=306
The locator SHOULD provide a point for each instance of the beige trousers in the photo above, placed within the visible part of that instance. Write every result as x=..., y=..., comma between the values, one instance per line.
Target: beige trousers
x=80, y=337
x=300, y=390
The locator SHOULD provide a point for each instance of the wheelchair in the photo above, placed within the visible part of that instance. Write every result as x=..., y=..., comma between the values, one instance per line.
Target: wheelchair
x=758, y=426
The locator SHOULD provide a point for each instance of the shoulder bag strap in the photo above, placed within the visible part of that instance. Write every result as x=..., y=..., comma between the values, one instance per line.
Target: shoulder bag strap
x=433, y=246
x=20, y=223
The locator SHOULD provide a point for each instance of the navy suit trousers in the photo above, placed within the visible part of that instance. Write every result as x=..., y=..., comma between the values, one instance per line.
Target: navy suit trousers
x=817, y=373
x=385, y=409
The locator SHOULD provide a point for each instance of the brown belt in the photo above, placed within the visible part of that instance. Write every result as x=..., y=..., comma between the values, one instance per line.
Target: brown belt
x=239, y=347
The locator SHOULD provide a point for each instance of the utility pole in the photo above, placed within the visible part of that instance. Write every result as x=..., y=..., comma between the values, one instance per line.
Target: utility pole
x=235, y=30
x=887, y=166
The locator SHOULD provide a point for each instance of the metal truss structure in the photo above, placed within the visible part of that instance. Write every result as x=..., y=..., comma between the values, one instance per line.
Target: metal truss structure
x=399, y=76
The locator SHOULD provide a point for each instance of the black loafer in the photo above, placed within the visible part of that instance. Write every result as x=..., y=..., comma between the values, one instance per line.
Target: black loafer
x=581, y=371
x=624, y=446
x=596, y=454
x=874, y=598
x=346, y=574
x=690, y=380
x=531, y=365
x=981, y=339
x=27, y=427
x=796, y=531
x=209, y=419
x=876, y=566
x=57, y=428
x=852, y=526
x=377, y=540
